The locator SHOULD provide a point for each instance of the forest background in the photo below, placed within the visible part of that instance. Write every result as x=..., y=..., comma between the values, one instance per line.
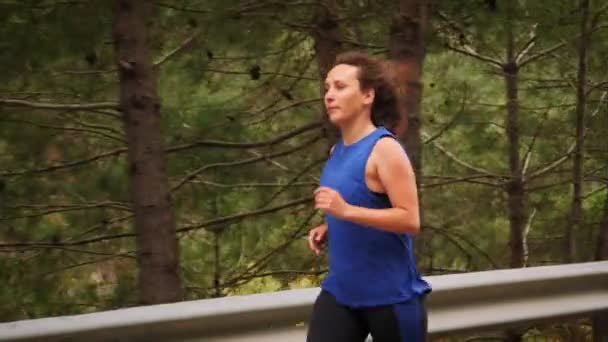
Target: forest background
x=158, y=151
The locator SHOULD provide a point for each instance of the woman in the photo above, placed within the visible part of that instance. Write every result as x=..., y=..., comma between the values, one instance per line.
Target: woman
x=368, y=195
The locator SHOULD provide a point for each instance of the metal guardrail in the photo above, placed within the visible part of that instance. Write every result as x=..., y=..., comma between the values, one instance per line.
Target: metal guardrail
x=477, y=301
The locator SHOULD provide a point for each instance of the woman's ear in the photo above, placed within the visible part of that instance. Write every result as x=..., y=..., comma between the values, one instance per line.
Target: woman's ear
x=369, y=95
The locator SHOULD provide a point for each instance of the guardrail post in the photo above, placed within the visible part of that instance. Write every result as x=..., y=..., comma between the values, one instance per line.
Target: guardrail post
x=600, y=326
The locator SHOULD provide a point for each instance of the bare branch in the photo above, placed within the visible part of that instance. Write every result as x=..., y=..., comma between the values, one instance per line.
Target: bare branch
x=204, y=168
x=451, y=122
x=110, y=129
x=226, y=144
x=528, y=45
x=256, y=185
x=247, y=73
x=61, y=106
x=570, y=150
x=128, y=254
x=556, y=47
x=80, y=264
x=206, y=224
x=596, y=17
x=182, y=8
x=183, y=46
x=528, y=154
x=289, y=46
x=525, y=234
x=261, y=262
x=474, y=179
x=303, y=171
x=461, y=162
x=279, y=110
x=62, y=128
x=469, y=51
x=450, y=235
x=210, y=224
x=53, y=209
x=94, y=158
x=117, y=152
x=559, y=161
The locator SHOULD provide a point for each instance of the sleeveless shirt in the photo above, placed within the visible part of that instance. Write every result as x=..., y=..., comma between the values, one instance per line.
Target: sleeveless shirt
x=367, y=266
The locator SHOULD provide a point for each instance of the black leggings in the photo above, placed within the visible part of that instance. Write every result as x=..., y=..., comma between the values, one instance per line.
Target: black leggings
x=333, y=322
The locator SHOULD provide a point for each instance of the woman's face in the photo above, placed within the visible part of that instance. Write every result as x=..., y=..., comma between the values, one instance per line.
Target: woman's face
x=344, y=99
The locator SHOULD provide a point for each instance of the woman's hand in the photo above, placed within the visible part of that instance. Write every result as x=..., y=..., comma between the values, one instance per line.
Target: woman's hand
x=330, y=202
x=316, y=238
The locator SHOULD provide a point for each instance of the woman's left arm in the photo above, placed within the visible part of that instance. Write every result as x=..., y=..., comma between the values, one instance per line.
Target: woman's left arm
x=396, y=175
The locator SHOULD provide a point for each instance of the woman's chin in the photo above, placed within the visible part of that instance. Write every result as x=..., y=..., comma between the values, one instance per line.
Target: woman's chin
x=336, y=118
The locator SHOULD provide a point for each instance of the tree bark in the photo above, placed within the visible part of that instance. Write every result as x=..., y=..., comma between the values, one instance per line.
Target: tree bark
x=406, y=53
x=327, y=45
x=576, y=215
x=157, y=247
x=515, y=186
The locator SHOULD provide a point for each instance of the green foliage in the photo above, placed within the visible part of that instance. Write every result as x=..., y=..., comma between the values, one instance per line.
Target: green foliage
x=249, y=76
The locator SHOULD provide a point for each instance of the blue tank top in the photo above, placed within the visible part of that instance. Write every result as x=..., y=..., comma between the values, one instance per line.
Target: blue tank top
x=367, y=266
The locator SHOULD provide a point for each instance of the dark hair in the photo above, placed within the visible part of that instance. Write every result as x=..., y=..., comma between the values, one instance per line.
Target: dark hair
x=374, y=74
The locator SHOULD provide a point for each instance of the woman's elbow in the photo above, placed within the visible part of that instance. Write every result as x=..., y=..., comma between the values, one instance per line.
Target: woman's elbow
x=411, y=225
x=411, y=228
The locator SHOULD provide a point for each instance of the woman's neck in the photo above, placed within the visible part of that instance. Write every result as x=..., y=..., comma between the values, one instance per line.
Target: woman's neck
x=356, y=130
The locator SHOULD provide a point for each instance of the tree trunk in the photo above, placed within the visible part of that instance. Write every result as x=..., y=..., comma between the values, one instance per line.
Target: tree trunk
x=576, y=215
x=217, y=270
x=515, y=186
x=157, y=246
x=406, y=52
x=601, y=253
x=327, y=38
